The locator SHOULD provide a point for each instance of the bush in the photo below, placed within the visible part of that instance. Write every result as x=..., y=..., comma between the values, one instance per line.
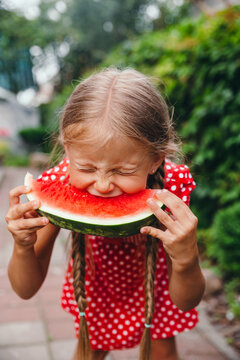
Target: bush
x=224, y=246
x=36, y=139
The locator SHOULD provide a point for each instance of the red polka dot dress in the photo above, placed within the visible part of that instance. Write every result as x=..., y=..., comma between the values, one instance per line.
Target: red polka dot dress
x=115, y=289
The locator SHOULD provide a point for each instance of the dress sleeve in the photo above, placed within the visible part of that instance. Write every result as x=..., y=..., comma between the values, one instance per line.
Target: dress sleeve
x=179, y=181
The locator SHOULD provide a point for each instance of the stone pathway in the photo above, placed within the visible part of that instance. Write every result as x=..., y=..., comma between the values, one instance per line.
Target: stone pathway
x=39, y=329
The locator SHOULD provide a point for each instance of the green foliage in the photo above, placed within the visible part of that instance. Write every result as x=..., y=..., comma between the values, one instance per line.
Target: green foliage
x=37, y=138
x=232, y=288
x=224, y=245
x=15, y=160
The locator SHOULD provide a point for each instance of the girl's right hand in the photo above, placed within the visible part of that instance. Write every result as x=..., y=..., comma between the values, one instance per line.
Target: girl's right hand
x=22, y=219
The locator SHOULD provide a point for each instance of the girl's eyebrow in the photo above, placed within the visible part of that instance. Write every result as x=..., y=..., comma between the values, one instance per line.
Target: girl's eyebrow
x=117, y=166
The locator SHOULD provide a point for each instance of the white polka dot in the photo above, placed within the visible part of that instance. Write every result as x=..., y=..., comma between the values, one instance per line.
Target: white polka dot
x=181, y=175
x=173, y=188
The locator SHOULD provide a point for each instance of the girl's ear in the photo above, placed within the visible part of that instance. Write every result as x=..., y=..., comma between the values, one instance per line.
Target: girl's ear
x=66, y=150
x=157, y=163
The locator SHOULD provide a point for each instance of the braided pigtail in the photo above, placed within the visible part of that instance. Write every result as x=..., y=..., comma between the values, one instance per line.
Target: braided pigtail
x=156, y=180
x=78, y=255
x=150, y=268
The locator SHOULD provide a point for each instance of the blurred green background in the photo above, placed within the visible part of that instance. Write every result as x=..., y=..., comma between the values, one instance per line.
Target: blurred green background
x=192, y=48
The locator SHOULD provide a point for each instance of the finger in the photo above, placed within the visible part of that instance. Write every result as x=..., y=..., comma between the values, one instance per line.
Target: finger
x=163, y=217
x=31, y=214
x=177, y=206
x=154, y=232
x=31, y=224
x=19, y=210
x=14, y=194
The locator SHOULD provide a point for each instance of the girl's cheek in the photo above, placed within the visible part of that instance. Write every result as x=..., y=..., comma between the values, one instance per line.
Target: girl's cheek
x=133, y=185
x=80, y=181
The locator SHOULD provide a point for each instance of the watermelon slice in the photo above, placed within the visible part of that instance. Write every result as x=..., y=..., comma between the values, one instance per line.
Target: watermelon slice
x=68, y=207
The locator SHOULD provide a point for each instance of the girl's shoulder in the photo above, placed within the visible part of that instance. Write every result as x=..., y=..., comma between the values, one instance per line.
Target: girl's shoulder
x=179, y=180
x=57, y=172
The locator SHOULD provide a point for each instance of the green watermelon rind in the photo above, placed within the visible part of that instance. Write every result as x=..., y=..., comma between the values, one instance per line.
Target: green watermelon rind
x=119, y=230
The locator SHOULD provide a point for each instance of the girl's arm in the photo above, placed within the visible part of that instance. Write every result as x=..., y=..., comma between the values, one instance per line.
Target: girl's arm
x=33, y=243
x=28, y=265
x=179, y=238
x=186, y=285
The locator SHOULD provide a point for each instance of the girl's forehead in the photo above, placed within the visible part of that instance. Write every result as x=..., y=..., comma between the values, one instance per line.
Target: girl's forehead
x=116, y=150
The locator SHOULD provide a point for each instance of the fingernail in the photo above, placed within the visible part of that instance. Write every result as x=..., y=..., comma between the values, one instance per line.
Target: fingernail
x=36, y=203
x=161, y=191
x=143, y=230
x=27, y=188
x=150, y=201
x=44, y=220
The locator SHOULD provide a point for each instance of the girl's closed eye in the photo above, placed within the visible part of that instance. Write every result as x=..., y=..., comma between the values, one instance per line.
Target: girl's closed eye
x=124, y=172
x=87, y=170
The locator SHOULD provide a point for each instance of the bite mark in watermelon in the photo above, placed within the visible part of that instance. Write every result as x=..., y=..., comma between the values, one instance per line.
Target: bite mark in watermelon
x=74, y=209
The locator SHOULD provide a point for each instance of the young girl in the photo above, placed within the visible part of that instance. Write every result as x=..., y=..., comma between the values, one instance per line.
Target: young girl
x=118, y=137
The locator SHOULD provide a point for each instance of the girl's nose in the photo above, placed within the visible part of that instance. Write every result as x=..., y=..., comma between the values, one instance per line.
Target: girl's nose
x=103, y=185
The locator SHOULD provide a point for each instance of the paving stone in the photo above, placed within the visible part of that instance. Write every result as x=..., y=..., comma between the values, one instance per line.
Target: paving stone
x=192, y=345
x=61, y=329
x=23, y=313
x=56, y=312
x=21, y=333
x=35, y=352
x=63, y=350
x=130, y=354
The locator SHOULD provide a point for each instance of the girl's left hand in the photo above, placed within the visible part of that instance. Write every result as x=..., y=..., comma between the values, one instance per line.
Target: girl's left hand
x=178, y=233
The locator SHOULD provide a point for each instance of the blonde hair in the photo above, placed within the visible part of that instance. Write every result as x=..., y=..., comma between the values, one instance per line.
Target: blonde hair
x=123, y=103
